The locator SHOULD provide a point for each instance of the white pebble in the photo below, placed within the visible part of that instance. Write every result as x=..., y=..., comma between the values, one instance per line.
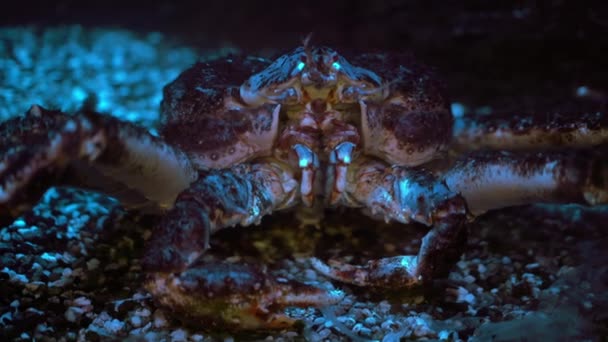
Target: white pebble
x=469, y=279
x=532, y=266
x=114, y=326
x=310, y=275
x=136, y=321
x=73, y=314
x=179, y=335
x=143, y=312
x=197, y=337
x=324, y=333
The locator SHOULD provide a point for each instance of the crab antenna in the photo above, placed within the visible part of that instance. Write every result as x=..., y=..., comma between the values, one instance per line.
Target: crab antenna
x=307, y=49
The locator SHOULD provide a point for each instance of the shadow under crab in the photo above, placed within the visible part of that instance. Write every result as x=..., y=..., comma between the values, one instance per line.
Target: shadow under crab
x=244, y=137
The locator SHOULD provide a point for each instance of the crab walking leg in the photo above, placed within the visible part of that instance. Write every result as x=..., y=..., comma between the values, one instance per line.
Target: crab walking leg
x=238, y=295
x=45, y=141
x=404, y=195
x=500, y=131
x=493, y=179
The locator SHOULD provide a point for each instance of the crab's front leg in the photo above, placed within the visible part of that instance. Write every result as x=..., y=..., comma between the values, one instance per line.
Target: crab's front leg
x=404, y=195
x=236, y=295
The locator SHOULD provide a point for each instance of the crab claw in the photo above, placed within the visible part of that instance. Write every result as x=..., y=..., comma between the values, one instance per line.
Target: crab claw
x=398, y=271
x=236, y=296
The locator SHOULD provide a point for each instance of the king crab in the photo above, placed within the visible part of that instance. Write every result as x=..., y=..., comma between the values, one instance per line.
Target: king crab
x=244, y=137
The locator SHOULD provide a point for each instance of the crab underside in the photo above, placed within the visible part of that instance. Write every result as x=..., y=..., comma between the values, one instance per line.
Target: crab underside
x=241, y=138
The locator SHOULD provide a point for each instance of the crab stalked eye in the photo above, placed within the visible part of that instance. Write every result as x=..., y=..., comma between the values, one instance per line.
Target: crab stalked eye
x=336, y=66
x=300, y=66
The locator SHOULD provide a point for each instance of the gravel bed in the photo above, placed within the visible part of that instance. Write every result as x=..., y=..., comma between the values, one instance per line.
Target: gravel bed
x=69, y=267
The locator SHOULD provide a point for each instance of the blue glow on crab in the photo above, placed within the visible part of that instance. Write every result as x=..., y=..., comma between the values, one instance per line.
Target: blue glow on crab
x=304, y=162
x=407, y=262
x=300, y=66
x=336, y=66
x=404, y=188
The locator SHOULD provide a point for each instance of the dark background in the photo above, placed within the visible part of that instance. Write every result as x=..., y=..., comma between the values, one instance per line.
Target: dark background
x=488, y=48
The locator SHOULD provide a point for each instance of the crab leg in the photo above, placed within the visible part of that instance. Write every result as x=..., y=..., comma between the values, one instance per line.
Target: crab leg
x=493, y=179
x=47, y=142
x=240, y=296
x=404, y=195
x=501, y=131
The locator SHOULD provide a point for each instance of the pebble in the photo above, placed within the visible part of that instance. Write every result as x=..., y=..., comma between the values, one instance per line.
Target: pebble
x=136, y=321
x=318, y=321
x=532, y=266
x=92, y=264
x=197, y=337
x=114, y=326
x=73, y=313
x=179, y=335
x=159, y=319
x=310, y=274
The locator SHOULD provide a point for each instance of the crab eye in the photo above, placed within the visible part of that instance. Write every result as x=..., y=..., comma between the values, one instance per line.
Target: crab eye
x=300, y=66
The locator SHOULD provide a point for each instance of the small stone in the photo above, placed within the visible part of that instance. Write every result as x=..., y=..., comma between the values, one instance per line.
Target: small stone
x=532, y=266
x=92, y=264
x=114, y=326
x=384, y=307
x=136, y=321
x=387, y=324
x=179, y=335
x=506, y=260
x=159, y=319
x=369, y=321
x=144, y=312
x=197, y=337
x=82, y=301
x=324, y=333
x=310, y=275
x=318, y=321
x=469, y=279
x=73, y=314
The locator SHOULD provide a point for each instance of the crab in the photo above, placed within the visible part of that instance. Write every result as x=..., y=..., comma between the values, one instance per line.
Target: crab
x=243, y=137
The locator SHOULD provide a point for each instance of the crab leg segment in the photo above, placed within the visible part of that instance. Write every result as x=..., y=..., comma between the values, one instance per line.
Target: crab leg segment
x=47, y=141
x=339, y=160
x=241, y=296
x=509, y=131
x=396, y=193
x=490, y=180
x=309, y=164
